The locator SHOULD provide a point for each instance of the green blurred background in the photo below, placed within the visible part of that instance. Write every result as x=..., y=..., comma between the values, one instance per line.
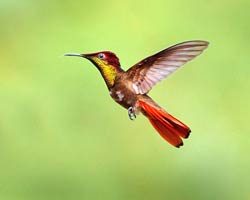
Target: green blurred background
x=63, y=137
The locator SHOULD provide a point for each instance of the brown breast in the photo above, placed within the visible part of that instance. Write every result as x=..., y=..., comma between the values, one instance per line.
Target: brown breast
x=123, y=94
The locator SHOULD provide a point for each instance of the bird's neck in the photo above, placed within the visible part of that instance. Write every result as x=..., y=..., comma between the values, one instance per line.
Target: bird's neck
x=110, y=74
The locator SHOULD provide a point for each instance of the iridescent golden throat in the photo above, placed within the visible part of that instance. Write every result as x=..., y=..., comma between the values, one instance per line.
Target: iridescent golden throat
x=107, y=70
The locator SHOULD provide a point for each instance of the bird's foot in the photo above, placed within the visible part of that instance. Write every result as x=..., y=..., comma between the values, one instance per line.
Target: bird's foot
x=131, y=113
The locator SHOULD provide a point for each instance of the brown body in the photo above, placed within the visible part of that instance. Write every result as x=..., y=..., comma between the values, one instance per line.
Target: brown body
x=129, y=88
x=122, y=92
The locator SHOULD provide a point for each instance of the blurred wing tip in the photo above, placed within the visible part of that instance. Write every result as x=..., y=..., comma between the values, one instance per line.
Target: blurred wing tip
x=195, y=43
x=200, y=43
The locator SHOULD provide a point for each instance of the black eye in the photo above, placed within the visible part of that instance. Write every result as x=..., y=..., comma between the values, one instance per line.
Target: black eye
x=101, y=56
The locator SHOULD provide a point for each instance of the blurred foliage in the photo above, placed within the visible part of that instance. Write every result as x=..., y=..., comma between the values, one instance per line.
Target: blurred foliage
x=63, y=137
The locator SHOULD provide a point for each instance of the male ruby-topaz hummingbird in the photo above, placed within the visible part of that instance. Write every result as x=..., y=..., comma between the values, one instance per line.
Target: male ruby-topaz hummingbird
x=130, y=88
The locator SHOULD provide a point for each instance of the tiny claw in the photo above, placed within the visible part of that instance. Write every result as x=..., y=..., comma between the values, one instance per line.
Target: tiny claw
x=131, y=113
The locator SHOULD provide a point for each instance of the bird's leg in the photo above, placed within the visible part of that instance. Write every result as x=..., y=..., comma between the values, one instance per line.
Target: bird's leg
x=131, y=113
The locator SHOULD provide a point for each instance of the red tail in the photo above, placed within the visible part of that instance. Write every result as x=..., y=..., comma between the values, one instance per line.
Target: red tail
x=170, y=128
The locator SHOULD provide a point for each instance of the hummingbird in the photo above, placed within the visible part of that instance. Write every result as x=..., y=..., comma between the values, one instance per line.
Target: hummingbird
x=130, y=88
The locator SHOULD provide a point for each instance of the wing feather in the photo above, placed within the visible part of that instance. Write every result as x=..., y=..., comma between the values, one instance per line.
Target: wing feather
x=153, y=69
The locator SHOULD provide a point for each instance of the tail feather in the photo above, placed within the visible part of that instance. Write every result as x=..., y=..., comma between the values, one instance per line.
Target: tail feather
x=165, y=132
x=170, y=128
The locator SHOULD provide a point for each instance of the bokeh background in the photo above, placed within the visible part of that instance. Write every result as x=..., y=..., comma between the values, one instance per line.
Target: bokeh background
x=63, y=137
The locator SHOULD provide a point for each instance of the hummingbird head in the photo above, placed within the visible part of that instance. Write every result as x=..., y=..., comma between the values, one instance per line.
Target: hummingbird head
x=100, y=59
x=106, y=62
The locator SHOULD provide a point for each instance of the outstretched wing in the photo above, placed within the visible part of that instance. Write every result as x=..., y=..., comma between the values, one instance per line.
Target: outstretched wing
x=153, y=69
